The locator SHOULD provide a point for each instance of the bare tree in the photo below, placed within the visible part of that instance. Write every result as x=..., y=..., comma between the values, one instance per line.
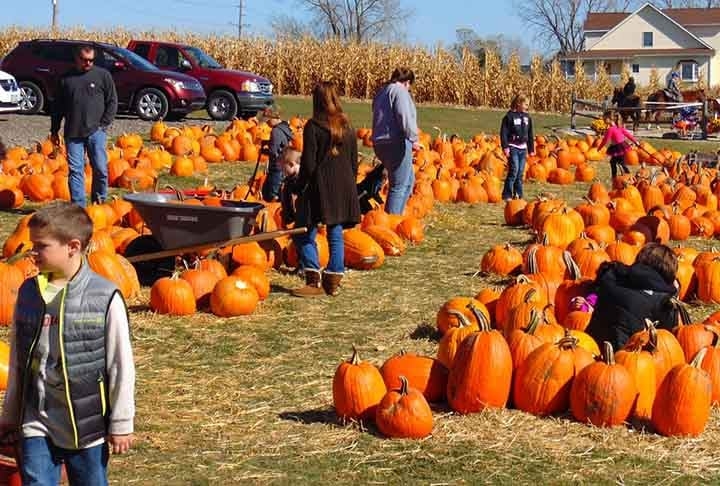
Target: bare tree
x=501, y=44
x=358, y=20
x=287, y=26
x=559, y=23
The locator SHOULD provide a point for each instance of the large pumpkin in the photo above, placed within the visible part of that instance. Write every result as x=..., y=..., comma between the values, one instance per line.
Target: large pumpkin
x=641, y=365
x=172, y=295
x=11, y=278
x=446, y=318
x=542, y=382
x=604, y=392
x=389, y=240
x=423, y=373
x=711, y=364
x=358, y=388
x=361, y=251
x=482, y=372
x=404, y=413
x=682, y=404
x=233, y=296
x=4, y=364
x=202, y=282
x=502, y=260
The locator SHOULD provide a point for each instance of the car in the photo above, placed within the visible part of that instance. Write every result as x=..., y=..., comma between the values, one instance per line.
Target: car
x=142, y=88
x=229, y=92
x=9, y=93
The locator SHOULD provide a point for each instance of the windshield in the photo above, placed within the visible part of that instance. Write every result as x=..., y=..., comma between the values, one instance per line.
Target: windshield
x=201, y=59
x=135, y=61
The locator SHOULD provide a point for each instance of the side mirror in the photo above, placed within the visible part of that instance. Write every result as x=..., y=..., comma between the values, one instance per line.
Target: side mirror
x=119, y=65
x=185, y=65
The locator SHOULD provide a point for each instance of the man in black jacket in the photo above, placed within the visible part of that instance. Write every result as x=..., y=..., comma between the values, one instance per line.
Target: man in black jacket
x=627, y=295
x=87, y=100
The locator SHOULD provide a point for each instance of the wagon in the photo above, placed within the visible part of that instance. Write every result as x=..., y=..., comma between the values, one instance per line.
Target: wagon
x=179, y=229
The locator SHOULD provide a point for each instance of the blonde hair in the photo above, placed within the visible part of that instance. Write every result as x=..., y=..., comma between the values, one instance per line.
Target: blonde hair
x=518, y=100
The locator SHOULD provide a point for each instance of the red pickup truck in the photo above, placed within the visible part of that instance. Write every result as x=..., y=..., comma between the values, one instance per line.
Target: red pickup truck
x=229, y=92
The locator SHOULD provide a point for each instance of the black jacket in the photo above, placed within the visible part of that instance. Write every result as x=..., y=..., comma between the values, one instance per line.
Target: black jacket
x=86, y=100
x=627, y=295
x=331, y=195
x=516, y=128
x=629, y=89
x=280, y=137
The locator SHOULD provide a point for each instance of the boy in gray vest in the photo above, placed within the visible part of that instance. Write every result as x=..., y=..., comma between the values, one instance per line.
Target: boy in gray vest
x=71, y=376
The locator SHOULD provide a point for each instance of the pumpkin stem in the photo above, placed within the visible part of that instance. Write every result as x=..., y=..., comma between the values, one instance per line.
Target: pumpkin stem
x=699, y=357
x=529, y=295
x=462, y=319
x=355, y=358
x=483, y=321
x=532, y=260
x=608, y=354
x=682, y=311
x=403, y=385
x=568, y=342
x=534, y=322
x=573, y=268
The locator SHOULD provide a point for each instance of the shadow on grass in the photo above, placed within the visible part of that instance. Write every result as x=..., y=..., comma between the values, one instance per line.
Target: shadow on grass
x=280, y=289
x=425, y=331
x=316, y=416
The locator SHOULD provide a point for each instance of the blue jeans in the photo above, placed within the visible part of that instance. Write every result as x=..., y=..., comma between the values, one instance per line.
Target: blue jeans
x=516, y=172
x=41, y=462
x=95, y=145
x=308, y=252
x=397, y=159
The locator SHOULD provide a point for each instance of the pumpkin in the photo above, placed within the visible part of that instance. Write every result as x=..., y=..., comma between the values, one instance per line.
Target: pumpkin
x=202, y=282
x=172, y=295
x=711, y=364
x=604, y=392
x=692, y=337
x=502, y=260
x=233, y=296
x=11, y=278
x=425, y=374
x=489, y=297
x=664, y=348
x=482, y=372
x=522, y=342
x=514, y=295
x=514, y=212
x=358, y=388
x=542, y=382
x=389, y=240
x=641, y=365
x=578, y=320
x=682, y=404
x=451, y=340
x=106, y=264
x=214, y=265
x=361, y=251
x=4, y=364
x=411, y=229
x=708, y=279
x=404, y=413
x=250, y=254
x=256, y=277
x=446, y=319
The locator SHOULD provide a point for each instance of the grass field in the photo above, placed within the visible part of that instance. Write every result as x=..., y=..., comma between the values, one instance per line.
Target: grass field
x=249, y=400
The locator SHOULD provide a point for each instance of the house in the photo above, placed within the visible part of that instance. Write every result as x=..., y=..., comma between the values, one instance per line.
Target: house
x=651, y=38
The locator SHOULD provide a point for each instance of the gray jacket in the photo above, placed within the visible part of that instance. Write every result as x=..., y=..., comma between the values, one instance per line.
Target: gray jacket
x=394, y=115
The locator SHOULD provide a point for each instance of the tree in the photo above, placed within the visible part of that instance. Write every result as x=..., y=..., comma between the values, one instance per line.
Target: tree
x=286, y=26
x=559, y=23
x=358, y=20
x=504, y=46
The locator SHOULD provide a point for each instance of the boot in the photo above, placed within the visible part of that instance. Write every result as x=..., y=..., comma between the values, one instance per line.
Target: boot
x=312, y=285
x=331, y=282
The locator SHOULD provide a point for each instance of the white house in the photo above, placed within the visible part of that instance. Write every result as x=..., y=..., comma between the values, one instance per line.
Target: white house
x=649, y=37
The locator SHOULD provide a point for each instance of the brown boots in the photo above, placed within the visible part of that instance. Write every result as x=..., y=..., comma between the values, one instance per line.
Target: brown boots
x=313, y=288
x=331, y=282
x=312, y=285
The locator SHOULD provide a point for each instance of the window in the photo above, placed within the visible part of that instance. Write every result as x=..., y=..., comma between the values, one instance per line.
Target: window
x=635, y=68
x=55, y=51
x=142, y=50
x=689, y=71
x=167, y=57
x=647, y=39
x=104, y=59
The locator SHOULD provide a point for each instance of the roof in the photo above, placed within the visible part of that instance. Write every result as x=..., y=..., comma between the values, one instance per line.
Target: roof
x=603, y=21
x=627, y=53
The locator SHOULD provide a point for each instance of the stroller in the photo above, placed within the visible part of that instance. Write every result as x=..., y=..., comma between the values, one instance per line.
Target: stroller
x=686, y=120
x=369, y=188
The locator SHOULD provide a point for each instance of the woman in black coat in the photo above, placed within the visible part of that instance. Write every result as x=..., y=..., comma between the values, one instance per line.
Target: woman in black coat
x=328, y=170
x=629, y=294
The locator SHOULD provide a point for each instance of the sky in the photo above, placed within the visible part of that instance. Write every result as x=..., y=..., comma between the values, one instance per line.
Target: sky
x=431, y=23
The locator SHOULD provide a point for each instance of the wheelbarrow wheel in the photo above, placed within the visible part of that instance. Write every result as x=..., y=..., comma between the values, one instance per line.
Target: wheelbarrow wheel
x=151, y=270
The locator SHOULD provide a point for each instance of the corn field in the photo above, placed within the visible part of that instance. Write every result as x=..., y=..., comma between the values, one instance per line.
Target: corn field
x=294, y=65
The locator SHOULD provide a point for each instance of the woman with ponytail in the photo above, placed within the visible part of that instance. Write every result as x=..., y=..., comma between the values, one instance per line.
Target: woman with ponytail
x=328, y=170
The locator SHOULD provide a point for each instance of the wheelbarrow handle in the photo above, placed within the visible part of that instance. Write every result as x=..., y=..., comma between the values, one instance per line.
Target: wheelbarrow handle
x=271, y=235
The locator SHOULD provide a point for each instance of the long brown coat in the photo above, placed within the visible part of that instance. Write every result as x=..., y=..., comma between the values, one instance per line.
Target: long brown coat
x=331, y=194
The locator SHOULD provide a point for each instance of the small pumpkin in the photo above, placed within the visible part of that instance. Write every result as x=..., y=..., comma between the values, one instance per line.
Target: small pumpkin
x=404, y=413
x=233, y=296
x=173, y=296
x=425, y=374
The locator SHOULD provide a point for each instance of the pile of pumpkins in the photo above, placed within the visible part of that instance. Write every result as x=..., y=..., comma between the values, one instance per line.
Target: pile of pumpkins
x=525, y=346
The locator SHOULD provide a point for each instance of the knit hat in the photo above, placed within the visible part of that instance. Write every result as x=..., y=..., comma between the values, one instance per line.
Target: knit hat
x=271, y=112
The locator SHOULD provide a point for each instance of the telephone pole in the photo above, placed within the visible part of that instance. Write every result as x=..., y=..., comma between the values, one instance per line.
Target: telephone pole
x=54, y=14
x=240, y=18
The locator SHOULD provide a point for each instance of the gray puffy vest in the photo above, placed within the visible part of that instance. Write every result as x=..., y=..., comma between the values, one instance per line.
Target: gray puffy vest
x=84, y=306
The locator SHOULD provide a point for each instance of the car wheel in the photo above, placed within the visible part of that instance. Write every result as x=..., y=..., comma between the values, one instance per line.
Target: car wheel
x=32, y=98
x=221, y=105
x=151, y=104
x=246, y=115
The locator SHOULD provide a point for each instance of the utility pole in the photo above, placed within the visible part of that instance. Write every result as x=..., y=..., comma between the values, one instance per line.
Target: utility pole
x=240, y=18
x=54, y=14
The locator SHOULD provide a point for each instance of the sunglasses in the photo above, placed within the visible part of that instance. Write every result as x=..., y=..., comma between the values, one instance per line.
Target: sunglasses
x=88, y=60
